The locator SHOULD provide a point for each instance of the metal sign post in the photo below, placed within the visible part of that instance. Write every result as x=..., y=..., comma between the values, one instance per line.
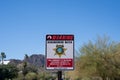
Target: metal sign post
x=59, y=53
x=59, y=75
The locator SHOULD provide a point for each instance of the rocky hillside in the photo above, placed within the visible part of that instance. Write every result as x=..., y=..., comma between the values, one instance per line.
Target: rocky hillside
x=35, y=59
x=15, y=62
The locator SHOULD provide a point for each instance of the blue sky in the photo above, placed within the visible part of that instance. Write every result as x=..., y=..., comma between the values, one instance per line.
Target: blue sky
x=25, y=23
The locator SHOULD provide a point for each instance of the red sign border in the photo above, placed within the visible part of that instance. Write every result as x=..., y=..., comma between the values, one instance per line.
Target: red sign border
x=63, y=40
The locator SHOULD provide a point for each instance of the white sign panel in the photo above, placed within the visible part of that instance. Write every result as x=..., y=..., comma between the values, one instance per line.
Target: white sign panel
x=60, y=52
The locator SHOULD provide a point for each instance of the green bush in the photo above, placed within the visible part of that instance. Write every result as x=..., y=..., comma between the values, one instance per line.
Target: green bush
x=31, y=76
x=8, y=72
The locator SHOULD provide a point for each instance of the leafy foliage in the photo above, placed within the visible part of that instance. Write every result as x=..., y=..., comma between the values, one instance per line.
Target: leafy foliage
x=8, y=72
x=31, y=76
x=3, y=56
x=100, y=58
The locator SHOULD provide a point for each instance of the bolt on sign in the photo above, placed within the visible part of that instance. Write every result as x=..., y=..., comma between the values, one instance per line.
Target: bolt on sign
x=59, y=52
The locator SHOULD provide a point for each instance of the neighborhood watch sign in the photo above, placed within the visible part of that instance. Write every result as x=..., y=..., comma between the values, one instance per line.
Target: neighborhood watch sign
x=60, y=52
